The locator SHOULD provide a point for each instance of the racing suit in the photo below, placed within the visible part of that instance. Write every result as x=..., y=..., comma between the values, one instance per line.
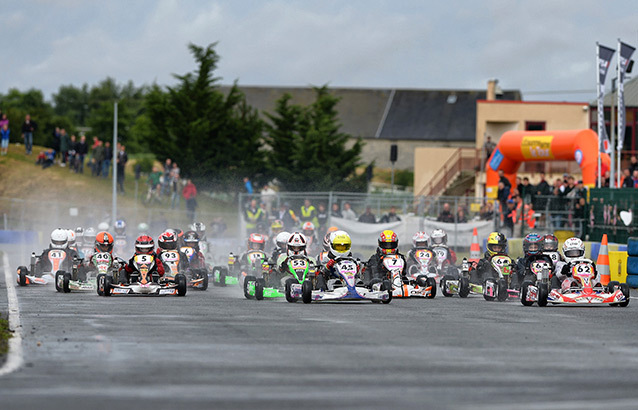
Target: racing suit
x=523, y=270
x=411, y=259
x=43, y=263
x=327, y=270
x=183, y=259
x=484, y=269
x=374, y=269
x=282, y=267
x=130, y=268
x=566, y=272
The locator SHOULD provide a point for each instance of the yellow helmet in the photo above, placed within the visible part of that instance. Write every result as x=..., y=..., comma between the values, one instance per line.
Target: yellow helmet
x=496, y=243
x=340, y=243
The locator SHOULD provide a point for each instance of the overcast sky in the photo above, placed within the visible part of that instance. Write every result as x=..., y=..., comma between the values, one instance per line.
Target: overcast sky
x=539, y=45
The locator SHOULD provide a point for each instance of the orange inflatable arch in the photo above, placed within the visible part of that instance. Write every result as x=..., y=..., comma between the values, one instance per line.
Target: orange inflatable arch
x=516, y=147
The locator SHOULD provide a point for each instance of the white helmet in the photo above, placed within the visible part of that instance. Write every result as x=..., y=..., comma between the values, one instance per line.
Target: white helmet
x=297, y=244
x=103, y=226
x=89, y=236
x=200, y=228
x=59, y=238
x=421, y=240
x=142, y=228
x=438, y=237
x=282, y=239
x=573, y=248
x=71, y=237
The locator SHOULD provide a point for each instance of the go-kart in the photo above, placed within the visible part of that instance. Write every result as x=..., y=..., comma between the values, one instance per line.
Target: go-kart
x=85, y=281
x=579, y=289
x=142, y=281
x=348, y=287
x=498, y=288
x=461, y=285
x=196, y=275
x=302, y=272
x=538, y=289
x=60, y=264
x=256, y=279
x=221, y=275
x=414, y=285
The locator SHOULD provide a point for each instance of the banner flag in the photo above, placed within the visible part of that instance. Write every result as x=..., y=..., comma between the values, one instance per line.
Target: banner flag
x=624, y=57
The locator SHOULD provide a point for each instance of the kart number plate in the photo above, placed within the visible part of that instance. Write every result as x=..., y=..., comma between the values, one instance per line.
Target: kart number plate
x=441, y=254
x=299, y=263
x=393, y=263
x=167, y=291
x=170, y=256
x=119, y=291
x=143, y=259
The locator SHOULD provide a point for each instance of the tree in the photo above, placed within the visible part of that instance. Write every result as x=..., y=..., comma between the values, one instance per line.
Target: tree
x=17, y=104
x=214, y=138
x=309, y=152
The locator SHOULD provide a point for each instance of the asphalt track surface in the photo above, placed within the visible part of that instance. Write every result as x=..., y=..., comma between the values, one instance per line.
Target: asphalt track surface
x=215, y=349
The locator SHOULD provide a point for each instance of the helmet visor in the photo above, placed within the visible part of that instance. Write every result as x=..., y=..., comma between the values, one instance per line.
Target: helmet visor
x=296, y=249
x=574, y=253
x=437, y=240
x=59, y=243
x=341, y=247
x=533, y=247
x=105, y=247
x=388, y=245
x=496, y=247
x=144, y=248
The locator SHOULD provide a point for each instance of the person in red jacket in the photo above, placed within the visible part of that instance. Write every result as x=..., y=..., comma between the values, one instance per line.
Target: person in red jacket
x=189, y=193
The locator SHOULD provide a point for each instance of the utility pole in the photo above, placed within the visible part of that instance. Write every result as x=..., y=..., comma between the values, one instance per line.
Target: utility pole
x=113, y=161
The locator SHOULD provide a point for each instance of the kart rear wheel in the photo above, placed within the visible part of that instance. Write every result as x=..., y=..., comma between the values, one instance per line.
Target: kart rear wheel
x=543, y=293
x=22, y=276
x=306, y=291
x=108, y=281
x=524, y=290
x=625, y=291
x=59, y=278
x=387, y=285
x=248, y=279
x=464, y=287
x=431, y=282
x=259, y=289
x=180, y=280
x=65, y=282
x=99, y=281
x=489, y=283
x=204, y=274
x=288, y=289
x=501, y=290
x=443, y=284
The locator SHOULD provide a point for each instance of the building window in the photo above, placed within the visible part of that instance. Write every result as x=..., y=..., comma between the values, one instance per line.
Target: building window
x=534, y=125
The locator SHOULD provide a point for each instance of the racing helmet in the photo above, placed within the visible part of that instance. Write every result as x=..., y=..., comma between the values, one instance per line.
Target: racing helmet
x=191, y=239
x=103, y=226
x=496, y=243
x=308, y=229
x=200, y=228
x=276, y=227
x=179, y=234
x=71, y=236
x=120, y=227
x=326, y=241
x=79, y=234
x=103, y=242
x=549, y=243
x=143, y=228
x=340, y=243
x=59, y=238
x=420, y=240
x=282, y=239
x=256, y=242
x=388, y=242
x=167, y=241
x=89, y=236
x=573, y=248
x=438, y=237
x=144, y=244
x=532, y=244
x=333, y=229
x=296, y=244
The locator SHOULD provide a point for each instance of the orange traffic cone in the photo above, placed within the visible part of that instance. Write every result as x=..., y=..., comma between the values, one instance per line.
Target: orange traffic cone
x=602, y=263
x=475, y=248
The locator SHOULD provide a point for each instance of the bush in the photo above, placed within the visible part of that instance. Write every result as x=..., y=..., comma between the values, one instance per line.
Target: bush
x=146, y=162
x=403, y=177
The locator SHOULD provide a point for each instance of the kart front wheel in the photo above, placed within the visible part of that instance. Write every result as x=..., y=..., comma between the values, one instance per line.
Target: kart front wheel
x=625, y=291
x=611, y=286
x=524, y=291
x=108, y=282
x=489, y=290
x=99, y=281
x=204, y=275
x=543, y=293
x=59, y=278
x=180, y=280
x=306, y=291
x=431, y=282
x=247, y=280
x=22, y=276
x=387, y=285
x=501, y=290
x=288, y=290
x=259, y=289
x=443, y=283
x=223, y=272
x=65, y=282
x=464, y=287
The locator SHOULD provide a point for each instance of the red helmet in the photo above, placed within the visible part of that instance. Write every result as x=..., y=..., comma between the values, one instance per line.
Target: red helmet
x=104, y=242
x=144, y=244
x=256, y=242
x=167, y=241
x=388, y=242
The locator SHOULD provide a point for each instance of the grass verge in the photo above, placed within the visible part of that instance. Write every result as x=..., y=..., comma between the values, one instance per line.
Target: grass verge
x=5, y=335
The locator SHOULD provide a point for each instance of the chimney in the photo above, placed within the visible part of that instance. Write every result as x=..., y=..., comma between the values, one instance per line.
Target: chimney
x=491, y=89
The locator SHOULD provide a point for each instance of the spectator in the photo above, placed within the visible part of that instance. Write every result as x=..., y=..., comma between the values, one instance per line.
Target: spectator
x=3, y=120
x=287, y=216
x=542, y=189
x=627, y=181
x=174, y=176
x=348, y=213
x=634, y=178
x=528, y=216
x=579, y=212
x=5, y=132
x=98, y=156
x=446, y=215
x=153, y=180
x=41, y=158
x=391, y=216
x=71, y=152
x=488, y=146
x=606, y=180
x=65, y=141
x=308, y=212
x=526, y=191
x=268, y=197
x=166, y=181
x=49, y=158
x=254, y=216
x=322, y=220
x=487, y=211
x=503, y=194
x=336, y=212
x=633, y=164
x=56, y=139
x=82, y=150
x=248, y=185
x=28, y=129
x=190, y=193
x=106, y=161
x=461, y=215
x=368, y=217
x=263, y=225
x=556, y=207
x=510, y=217
x=122, y=159
x=503, y=178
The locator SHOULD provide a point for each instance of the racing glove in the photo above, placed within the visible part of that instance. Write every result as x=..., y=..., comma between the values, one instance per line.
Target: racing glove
x=330, y=263
x=566, y=271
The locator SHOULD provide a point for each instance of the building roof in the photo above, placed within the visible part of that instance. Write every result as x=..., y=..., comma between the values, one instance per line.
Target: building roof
x=402, y=114
x=630, y=91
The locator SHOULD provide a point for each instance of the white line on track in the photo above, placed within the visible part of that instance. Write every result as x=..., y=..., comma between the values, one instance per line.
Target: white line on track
x=14, y=357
